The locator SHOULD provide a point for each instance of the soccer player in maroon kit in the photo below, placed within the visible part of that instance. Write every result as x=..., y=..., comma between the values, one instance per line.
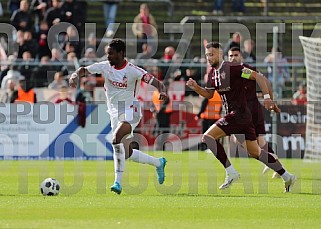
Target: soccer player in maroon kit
x=227, y=79
x=235, y=56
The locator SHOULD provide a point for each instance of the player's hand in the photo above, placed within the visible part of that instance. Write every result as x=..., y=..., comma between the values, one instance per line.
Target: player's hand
x=163, y=96
x=276, y=109
x=73, y=80
x=191, y=84
x=271, y=106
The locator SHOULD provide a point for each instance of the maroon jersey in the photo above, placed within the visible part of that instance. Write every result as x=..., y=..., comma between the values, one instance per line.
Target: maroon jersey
x=227, y=81
x=253, y=104
x=250, y=86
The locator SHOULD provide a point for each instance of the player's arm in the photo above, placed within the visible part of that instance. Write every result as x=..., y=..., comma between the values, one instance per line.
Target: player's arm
x=205, y=92
x=80, y=72
x=266, y=90
x=268, y=84
x=150, y=79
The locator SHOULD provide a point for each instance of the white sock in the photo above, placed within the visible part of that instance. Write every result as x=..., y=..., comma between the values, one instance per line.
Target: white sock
x=286, y=176
x=140, y=157
x=230, y=170
x=119, y=161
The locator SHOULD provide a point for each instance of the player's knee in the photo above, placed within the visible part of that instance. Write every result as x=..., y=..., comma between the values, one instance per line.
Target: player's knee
x=123, y=130
x=208, y=138
x=254, y=153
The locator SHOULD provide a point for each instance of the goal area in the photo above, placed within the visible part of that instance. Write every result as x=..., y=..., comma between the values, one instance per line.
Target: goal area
x=312, y=59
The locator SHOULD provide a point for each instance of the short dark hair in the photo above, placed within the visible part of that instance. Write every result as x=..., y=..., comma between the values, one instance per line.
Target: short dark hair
x=235, y=48
x=215, y=45
x=118, y=44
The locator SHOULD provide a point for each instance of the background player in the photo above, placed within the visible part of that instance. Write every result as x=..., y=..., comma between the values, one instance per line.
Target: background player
x=234, y=55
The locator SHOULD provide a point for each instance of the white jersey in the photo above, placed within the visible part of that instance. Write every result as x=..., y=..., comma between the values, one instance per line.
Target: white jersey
x=121, y=85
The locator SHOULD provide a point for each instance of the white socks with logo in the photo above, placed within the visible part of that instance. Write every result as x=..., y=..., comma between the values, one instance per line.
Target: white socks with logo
x=119, y=161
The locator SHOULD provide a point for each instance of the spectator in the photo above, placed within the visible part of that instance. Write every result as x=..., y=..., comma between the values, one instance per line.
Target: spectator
x=53, y=15
x=43, y=48
x=283, y=74
x=91, y=42
x=144, y=26
x=70, y=67
x=13, y=5
x=71, y=11
x=218, y=7
x=69, y=47
x=247, y=52
x=84, y=96
x=300, y=96
x=72, y=37
x=191, y=72
x=89, y=58
x=24, y=92
x=29, y=44
x=9, y=90
x=162, y=112
x=41, y=73
x=3, y=57
x=11, y=60
x=235, y=41
x=39, y=8
x=63, y=96
x=13, y=75
x=26, y=69
x=209, y=112
x=86, y=92
x=146, y=53
x=21, y=18
x=58, y=81
x=110, y=11
x=167, y=59
x=238, y=6
x=55, y=65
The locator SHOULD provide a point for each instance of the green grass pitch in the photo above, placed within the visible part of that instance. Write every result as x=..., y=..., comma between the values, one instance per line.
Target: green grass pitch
x=189, y=198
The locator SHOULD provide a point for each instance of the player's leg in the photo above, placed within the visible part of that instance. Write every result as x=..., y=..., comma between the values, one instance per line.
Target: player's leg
x=271, y=161
x=264, y=145
x=143, y=158
x=211, y=137
x=121, y=131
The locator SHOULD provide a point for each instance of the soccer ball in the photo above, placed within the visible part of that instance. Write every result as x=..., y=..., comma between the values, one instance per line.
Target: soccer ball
x=50, y=187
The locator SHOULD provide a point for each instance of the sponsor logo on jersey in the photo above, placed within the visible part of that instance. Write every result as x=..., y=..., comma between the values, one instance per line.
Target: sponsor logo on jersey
x=118, y=84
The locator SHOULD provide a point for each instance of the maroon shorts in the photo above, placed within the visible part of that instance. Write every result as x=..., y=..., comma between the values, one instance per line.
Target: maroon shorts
x=238, y=123
x=257, y=117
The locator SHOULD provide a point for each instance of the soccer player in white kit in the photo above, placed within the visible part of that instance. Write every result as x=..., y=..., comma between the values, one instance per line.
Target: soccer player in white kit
x=122, y=81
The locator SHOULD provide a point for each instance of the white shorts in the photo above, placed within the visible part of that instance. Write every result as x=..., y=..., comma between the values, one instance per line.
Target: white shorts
x=132, y=115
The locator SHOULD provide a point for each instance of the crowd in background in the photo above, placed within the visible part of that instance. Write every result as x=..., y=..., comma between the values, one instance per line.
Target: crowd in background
x=33, y=19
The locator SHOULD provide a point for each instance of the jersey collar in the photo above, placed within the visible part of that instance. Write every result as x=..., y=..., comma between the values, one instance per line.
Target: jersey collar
x=123, y=66
x=220, y=66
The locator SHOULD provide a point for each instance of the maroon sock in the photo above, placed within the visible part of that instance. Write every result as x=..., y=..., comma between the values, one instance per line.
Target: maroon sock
x=218, y=150
x=269, y=148
x=269, y=160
